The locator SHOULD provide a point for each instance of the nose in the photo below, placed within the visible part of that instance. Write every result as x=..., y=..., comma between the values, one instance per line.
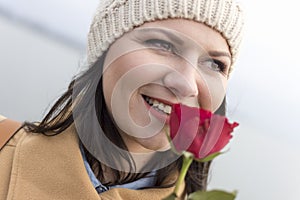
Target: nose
x=182, y=82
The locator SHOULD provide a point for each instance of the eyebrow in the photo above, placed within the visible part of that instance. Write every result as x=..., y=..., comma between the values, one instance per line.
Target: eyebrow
x=168, y=34
x=178, y=40
x=219, y=54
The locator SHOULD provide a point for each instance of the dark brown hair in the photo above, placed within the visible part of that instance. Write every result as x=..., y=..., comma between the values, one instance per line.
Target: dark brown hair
x=61, y=116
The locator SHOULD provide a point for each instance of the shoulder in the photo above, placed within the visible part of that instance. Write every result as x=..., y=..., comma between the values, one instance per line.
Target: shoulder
x=49, y=141
x=2, y=118
x=8, y=128
x=34, y=159
x=26, y=147
x=27, y=140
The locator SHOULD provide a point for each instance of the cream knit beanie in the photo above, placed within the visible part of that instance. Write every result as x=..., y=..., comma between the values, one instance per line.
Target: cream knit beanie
x=113, y=18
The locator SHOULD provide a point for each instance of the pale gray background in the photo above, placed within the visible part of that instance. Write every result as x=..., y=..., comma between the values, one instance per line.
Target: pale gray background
x=42, y=43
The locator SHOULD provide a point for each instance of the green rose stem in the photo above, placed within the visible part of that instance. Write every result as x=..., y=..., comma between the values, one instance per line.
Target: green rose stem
x=187, y=161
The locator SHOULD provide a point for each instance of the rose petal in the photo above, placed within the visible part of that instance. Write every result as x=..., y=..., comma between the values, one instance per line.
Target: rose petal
x=199, y=131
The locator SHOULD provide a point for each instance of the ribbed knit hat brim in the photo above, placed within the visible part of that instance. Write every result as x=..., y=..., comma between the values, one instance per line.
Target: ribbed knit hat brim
x=113, y=18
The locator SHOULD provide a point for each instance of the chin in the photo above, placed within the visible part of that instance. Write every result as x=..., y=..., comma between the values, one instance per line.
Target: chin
x=159, y=142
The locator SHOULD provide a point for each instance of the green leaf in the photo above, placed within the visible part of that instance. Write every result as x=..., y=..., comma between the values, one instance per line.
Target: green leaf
x=172, y=196
x=212, y=195
x=210, y=157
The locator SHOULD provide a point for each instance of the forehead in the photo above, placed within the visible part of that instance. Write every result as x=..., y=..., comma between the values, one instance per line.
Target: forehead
x=202, y=34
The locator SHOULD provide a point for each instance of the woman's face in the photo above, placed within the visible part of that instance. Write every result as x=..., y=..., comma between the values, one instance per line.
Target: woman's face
x=159, y=64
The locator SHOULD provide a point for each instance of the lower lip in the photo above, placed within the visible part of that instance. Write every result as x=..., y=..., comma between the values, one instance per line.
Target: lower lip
x=164, y=118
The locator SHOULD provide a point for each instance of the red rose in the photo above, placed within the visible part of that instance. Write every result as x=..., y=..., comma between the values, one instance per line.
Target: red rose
x=199, y=131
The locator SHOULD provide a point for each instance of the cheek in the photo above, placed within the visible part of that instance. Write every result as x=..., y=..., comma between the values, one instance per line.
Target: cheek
x=212, y=90
x=121, y=81
x=113, y=72
x=110, y=78
x=127, y=65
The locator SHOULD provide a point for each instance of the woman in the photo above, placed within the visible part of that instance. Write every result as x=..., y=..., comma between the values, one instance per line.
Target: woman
x=105, y=137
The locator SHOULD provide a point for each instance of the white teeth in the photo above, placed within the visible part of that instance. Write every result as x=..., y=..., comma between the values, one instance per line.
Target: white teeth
x=161, y=106
x=158, y=105
x=168, y=109
x=155, y=103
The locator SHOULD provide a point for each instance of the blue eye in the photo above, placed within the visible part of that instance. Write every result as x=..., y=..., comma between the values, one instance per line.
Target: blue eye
x=161, y=44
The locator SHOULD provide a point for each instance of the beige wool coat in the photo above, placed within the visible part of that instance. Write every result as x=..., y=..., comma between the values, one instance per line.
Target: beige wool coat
x=37, y=167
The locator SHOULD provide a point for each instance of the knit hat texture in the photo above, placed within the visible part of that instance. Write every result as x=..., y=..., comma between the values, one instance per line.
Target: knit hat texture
x=113, y=18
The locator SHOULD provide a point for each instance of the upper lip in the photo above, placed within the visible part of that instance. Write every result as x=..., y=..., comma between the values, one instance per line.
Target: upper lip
x=166, y=102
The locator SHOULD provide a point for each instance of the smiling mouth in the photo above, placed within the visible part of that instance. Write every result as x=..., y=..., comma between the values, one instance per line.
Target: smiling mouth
x=157, y=105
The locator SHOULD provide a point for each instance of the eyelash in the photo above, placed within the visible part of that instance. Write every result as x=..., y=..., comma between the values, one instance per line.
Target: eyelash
x=168, y=47
x=221, y=67
x=161, y=45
